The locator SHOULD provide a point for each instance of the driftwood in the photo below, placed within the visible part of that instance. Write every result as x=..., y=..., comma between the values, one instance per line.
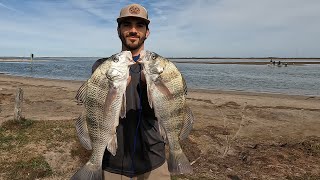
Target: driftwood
x=18, y=105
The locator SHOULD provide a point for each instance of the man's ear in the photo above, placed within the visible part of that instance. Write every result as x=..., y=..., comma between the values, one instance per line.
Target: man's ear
x=118, y=30
x=148, y=33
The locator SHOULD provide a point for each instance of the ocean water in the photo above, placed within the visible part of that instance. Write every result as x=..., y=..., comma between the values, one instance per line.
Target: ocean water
x=295, y=80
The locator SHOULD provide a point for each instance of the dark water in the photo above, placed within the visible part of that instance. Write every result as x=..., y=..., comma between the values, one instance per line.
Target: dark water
x=298, y=80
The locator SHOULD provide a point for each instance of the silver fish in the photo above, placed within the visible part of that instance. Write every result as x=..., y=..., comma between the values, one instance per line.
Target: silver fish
x=167, y=91
x=103, y=96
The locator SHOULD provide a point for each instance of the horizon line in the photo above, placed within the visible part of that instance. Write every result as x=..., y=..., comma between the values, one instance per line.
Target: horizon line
x=213, y=57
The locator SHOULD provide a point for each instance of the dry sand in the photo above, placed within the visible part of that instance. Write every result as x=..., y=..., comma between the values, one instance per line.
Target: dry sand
x=236, y=135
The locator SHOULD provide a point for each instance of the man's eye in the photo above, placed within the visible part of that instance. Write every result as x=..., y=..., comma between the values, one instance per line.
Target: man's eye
x=125, y=24
x=140, y=25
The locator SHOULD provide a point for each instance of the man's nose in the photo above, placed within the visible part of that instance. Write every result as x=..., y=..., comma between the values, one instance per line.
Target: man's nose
x=133, y=32
x=133, y=29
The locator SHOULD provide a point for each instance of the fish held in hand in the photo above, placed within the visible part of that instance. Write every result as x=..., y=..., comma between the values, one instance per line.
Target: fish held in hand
x=103, y=96
x=167, y=91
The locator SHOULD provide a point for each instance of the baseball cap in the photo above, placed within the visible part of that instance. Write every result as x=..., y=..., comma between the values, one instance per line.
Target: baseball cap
x=134, y=10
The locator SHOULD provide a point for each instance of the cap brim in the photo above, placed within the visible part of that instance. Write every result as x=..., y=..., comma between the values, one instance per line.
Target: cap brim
x=123, y=18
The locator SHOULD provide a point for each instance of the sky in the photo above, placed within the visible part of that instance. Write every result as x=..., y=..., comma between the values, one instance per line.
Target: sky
x=178, y=28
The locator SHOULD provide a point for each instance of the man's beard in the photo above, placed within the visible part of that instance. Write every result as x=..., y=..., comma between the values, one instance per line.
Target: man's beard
x=131, y=46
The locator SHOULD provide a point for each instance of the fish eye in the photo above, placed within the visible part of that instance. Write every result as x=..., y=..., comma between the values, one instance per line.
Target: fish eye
x=115, y=59
x=153, y=56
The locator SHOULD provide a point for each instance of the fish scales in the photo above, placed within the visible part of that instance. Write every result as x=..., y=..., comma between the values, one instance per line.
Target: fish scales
x=103, y=95
x=166, y=91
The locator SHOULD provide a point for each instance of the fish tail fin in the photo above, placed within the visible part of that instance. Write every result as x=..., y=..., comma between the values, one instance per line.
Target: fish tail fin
x=88, y=172
x=178, y=163
x=112, y=145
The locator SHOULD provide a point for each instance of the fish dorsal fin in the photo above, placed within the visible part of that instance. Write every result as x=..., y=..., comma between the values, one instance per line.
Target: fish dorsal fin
x=123, y=106
x=82, y=131
x=187, y=123
x=82, y=93
x=185, y=89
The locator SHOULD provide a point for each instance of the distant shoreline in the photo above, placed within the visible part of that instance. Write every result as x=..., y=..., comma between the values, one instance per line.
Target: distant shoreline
x=301, y=58
x=276, y=58
x=20, y=60
x=204, y=62
x=247, y=63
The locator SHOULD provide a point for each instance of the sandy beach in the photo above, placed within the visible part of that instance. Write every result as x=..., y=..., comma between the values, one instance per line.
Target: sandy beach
x=236, y=134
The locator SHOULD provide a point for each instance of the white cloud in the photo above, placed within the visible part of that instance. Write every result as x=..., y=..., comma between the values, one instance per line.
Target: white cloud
x=242, y=28
x=7, y=7
x=178, y=28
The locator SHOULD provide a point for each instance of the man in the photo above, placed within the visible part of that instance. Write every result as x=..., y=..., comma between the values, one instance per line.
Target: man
x=141, y=148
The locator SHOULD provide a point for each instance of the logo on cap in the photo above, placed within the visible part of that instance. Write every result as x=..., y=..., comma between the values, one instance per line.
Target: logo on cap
x=134, y=10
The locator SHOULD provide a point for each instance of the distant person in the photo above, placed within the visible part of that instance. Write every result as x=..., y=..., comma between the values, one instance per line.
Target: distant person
x=270, y=61
x=274, y=62
x=279, y=63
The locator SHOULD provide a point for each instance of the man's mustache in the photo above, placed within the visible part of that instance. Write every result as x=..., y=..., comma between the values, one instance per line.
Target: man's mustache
x=133, y=34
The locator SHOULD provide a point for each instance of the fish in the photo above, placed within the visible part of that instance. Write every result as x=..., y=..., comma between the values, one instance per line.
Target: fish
x=167, y=90
x=104, y=100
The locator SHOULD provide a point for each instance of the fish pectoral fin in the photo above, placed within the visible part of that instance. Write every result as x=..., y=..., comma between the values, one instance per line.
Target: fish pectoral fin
x=149, y=96
x=187, y=124
x=112, y=94
x=112, y=145
x=82, y=131
x=163, y=133
x=123, y=106
x=82, y=93
x=163, y=89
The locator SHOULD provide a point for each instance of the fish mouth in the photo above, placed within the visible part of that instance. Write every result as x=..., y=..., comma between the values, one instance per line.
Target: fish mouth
x=131, y=61
x=143, y=55
x=139, y=61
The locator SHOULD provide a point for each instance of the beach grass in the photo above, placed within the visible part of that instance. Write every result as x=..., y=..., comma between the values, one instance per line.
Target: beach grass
x=24, y=144
x=27, y=150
